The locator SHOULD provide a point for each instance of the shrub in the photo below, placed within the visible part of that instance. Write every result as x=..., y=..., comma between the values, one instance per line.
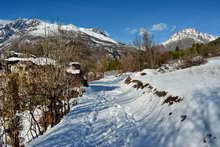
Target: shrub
x=48, y=89
x=138, y=84
x=170, y=100
x=128, y=80
x=160, y=93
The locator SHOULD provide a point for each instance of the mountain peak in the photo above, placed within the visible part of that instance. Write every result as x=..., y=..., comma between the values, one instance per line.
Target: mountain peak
x=190, y=30
x=186, y=38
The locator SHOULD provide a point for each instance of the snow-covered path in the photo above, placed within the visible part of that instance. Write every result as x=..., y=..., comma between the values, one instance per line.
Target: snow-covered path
x=114, y=114
x=99, y=119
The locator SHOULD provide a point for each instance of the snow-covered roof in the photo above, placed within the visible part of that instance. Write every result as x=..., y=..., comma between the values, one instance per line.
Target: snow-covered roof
x=73, y=71
x=74, y=63
x=38, y=61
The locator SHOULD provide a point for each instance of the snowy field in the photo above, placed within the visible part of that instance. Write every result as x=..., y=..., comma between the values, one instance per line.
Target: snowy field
x=114, y=114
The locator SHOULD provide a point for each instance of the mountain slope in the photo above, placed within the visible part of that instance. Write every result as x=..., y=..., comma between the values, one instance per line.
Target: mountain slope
x=187, y=38
x=30, y=30
x=113, y=113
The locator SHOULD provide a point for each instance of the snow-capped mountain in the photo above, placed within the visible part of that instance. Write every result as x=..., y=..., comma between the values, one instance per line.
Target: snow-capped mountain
x=186, y=38
x=30, y=29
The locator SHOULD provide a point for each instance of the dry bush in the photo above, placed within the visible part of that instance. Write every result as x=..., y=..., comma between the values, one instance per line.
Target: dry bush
x=11, y=106
x=160, y=93
x=170, y=100
x=138, y=84
x=130, y=63
x=194, y=61
x=45, y=88
x=143, y=74
x=147, y=55
x=128, y=80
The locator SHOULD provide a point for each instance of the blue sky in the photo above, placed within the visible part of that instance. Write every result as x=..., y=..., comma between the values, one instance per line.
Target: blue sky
x=123, y=19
